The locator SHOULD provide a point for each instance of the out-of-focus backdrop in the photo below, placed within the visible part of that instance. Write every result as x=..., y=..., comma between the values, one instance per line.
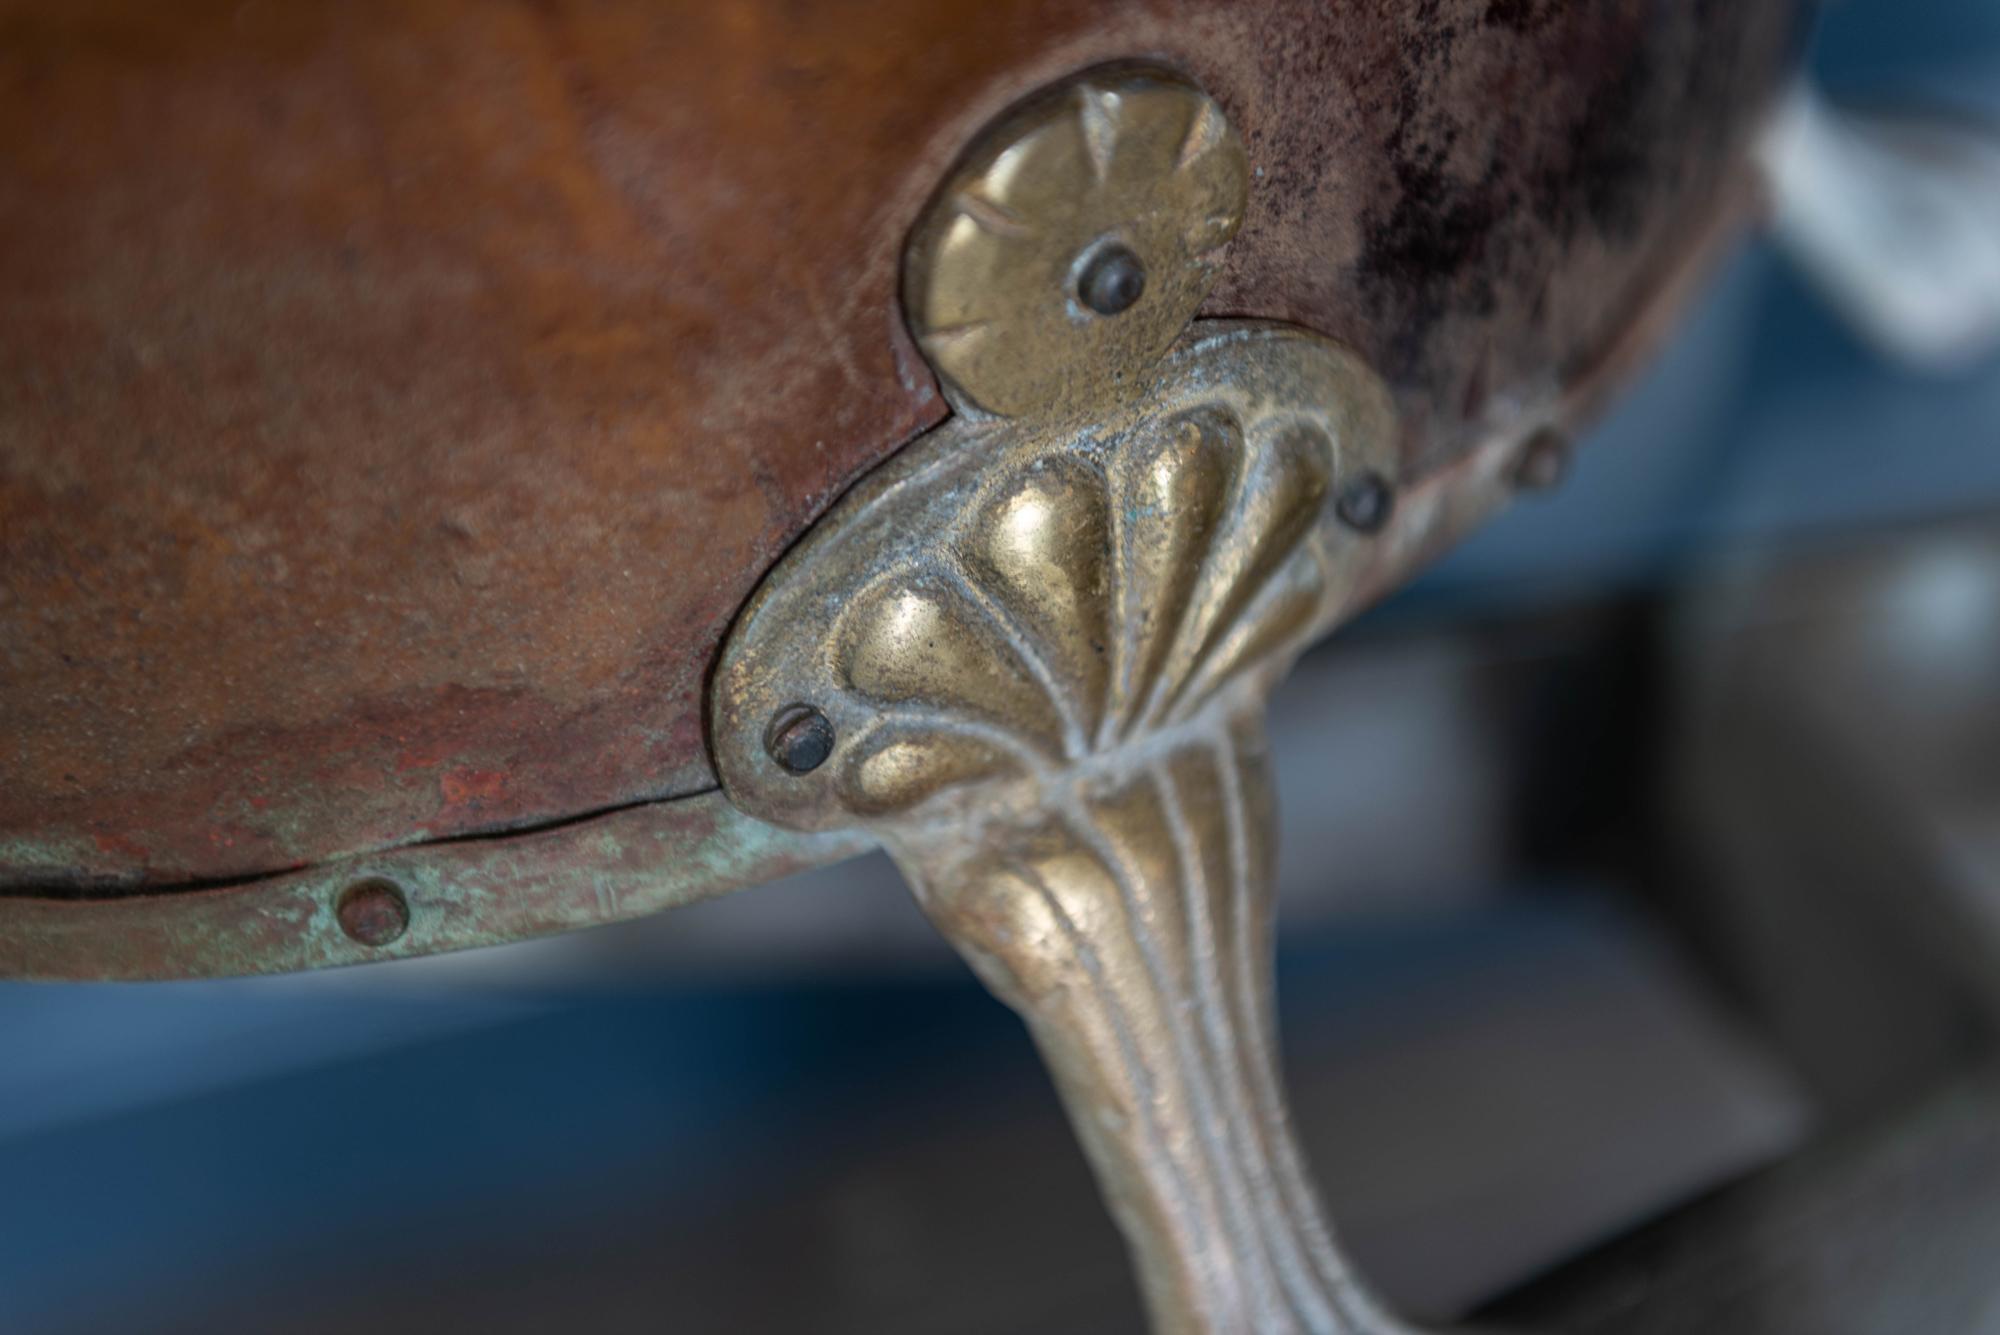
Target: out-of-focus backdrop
x=1640, y=965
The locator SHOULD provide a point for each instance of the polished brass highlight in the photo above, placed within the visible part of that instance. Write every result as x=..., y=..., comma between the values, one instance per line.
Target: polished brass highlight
x=1074, y=243
x=1044, y=649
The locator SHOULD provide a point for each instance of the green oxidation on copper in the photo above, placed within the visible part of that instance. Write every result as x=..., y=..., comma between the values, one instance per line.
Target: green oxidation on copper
x=623, y=865
x=26, y=857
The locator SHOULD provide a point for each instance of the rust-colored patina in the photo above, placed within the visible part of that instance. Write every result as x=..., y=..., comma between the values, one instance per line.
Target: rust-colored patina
x=397, y=401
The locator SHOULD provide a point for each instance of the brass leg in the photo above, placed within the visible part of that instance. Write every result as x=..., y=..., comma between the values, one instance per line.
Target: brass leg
x=1129, y=923
x=1030, y=656
x=1032, y=660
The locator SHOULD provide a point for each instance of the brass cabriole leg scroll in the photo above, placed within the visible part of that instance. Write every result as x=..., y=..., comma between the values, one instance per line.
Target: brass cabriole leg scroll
x=1030, y=655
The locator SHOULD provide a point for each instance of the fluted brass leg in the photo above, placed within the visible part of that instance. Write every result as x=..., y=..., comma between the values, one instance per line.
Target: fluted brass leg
x=1030, y=656
x=1129, y=923
x=1032, y=661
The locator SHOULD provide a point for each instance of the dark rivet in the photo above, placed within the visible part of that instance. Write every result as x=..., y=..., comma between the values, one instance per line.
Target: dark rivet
x=800, y=739
x=1544, y=461
x=1366, y=503
x=373, y=912
x=1112, y=280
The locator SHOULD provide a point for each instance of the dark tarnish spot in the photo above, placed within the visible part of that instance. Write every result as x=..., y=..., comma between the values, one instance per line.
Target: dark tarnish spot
x=1520, y=15
x=1503, y=149
x=1438, y=228
x=1611, y=171
x=1438, y=231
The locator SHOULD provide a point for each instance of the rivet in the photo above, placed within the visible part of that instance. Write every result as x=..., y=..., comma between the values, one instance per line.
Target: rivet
x=373, y=912
x=1544, y=461
x=1112, y=280
x=1366, y=503
x=800, y=739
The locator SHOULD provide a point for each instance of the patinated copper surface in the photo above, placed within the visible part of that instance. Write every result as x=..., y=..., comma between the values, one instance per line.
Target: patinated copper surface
x=398, y=401
x=475, y=892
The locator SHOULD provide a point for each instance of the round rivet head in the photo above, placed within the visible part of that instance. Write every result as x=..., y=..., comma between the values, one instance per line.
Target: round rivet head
x=1112, y=281
x=1366, y=503
x=1544, y=461
x=373, y=912
x=799, y=739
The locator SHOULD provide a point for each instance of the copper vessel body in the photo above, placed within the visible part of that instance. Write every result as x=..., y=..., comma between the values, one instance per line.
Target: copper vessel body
x=398, y=402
